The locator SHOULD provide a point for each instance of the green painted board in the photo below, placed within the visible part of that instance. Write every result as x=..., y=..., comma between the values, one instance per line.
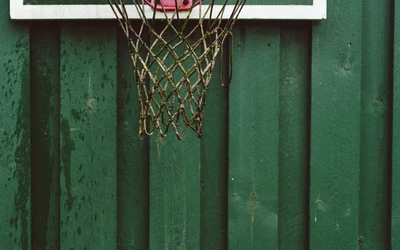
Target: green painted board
x=253, y=138
x=294, y=134
x=335, y=127
x=175, y=176
x=133, y=159
x=395, y=209
x=375, y=125
x=88, y=136
x=45, y=138
x=214, y=164
x=15, y=212
x=175, y=192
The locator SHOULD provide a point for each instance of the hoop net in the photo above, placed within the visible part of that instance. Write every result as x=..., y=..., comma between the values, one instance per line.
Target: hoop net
x=173, y=60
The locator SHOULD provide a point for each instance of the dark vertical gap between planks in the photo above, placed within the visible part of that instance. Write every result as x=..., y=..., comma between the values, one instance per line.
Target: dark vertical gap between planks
x=294, y=135
x=395, y=198
x=335, y=127
x=214, y=161
x=375, y=160
x=226, y=170
x=15, y=207
x=133, y=157
x=253, y=186
x=45, y=135
x=309, y=115
x=88, y=138
x=391, y=119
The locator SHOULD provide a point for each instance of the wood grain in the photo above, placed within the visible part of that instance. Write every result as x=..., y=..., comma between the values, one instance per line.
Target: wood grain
x=253, y=138
x=45, y=138
x=88, y=137
x=15, y=207
x=133, y=159
x=294, y=135
x=376, y=101
x=335, y=127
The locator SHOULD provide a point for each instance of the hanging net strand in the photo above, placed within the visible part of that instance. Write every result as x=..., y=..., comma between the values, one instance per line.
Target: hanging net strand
x=173, y=58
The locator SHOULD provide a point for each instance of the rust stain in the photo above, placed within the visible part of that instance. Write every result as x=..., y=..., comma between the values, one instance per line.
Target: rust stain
x=253, y=200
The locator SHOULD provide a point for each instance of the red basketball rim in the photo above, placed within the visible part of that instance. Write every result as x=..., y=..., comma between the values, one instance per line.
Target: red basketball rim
x=170, y=5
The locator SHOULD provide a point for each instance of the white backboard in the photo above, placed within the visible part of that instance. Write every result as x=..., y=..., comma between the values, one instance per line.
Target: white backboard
x=21, y=11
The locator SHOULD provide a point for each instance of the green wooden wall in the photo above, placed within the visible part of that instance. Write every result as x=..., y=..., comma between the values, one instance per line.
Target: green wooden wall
x=302, y=151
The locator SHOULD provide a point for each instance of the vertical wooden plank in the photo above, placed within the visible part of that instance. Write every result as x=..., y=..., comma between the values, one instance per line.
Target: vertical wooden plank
x=214, y=164
x=133, y=159
x=395, y=239
x=175, y=181
x=335, y=127
x=375, y=127
x=88, y=136
x=253, y=138
x=45, y=135
x=175, y=192
x=294, y=134
x=15, y=211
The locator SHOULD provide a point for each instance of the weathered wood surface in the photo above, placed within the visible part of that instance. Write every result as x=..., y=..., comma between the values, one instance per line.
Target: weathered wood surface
x=253, y=139
x=335, y=127
x=376, y=101
x=88, y=137
x=301, y=151
x=15, y=207
x=175, y=180
x=45, y=135
x=133, y=159
x=294, y=134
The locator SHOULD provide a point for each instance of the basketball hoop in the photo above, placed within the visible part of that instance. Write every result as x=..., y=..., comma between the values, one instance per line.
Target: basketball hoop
x=173, y=58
